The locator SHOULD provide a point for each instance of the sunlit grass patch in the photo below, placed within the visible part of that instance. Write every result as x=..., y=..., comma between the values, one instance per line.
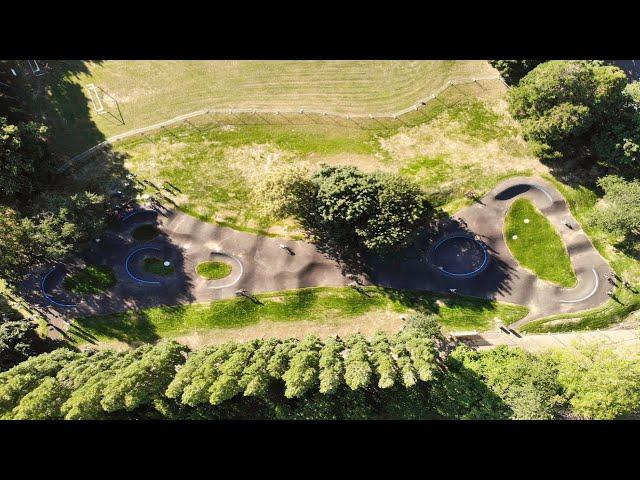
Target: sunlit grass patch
x=536, y=244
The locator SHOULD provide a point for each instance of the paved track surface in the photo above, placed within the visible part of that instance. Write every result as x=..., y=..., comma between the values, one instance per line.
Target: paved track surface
x=261, y=265
x=504, y=279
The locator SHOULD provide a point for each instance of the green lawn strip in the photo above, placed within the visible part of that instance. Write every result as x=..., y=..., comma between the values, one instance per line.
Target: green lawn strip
x=213, y=270
x=144, y=233
x=90, y=279
x=538, y=245
x=582, y=200
x=321, y=305
x=157, y=267
x=601, y=317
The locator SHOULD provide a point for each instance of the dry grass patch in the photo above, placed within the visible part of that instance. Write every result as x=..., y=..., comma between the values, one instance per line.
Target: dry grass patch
x=471, y=146
x=367, y=325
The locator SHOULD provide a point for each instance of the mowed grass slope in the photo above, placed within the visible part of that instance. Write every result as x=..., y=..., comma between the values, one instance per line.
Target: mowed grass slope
x=536, y=244
x=149, y=92
x=316, y=306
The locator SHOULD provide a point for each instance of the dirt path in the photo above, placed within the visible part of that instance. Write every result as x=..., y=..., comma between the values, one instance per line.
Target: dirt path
x=618, y=339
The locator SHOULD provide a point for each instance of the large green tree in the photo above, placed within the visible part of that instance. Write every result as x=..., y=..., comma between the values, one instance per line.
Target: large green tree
x=346, y=209
x=24, y=159
x=524, y=382
x=599, y=383
x=580, y=110
x=18, y=341
x=620, y=210
x=28, y=241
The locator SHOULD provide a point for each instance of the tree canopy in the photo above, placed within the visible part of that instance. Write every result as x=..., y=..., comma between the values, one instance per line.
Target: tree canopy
x=599, y=383
x=620, y=212
x=345, y=208
x=409, y=374
x=24, y=159
x=581, y=110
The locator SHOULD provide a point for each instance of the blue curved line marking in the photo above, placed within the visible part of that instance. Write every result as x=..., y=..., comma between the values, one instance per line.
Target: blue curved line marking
x=485, y=259
x=128, y=216
x=545, y=192
x=47, y=296
x=126, y=265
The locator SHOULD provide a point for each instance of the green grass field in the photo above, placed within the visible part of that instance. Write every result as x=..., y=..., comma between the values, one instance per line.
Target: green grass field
x=213, y=270
x=536, y=244
x=92, y=279
x=138, y=93
x=217, y=167
x=320, y=305
x=149, y=92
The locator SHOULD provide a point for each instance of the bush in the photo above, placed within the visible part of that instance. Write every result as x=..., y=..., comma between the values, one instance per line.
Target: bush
x=621, y=211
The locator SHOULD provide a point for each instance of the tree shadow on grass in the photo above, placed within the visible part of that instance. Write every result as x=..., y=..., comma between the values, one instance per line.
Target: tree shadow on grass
x=427, y=302
x=55, y=99
x=132, y=328
x=630, y=245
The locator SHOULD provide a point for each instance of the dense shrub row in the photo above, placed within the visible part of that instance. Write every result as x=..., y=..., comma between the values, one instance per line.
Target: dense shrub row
x=405, y=375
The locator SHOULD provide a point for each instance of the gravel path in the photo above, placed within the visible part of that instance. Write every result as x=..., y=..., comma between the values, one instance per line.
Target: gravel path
x=618, y=339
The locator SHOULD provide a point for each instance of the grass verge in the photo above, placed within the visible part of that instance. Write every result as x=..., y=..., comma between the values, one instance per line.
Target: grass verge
x=321, y=305
x=536, y=244
x=213, y=270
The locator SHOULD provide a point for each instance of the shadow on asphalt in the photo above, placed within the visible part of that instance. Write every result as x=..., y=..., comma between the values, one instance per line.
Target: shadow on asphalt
x=512, y=192
x=412, y=269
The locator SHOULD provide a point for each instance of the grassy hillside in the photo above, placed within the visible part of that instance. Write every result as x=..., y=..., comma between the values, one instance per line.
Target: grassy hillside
x=137, y=93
